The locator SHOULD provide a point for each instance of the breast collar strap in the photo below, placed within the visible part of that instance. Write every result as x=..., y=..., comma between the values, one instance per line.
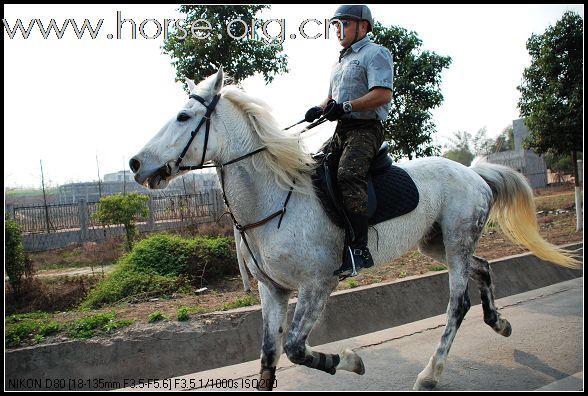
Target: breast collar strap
x=242, y=228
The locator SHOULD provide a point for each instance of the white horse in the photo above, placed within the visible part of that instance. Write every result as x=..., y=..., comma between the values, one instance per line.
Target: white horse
x=258, y=163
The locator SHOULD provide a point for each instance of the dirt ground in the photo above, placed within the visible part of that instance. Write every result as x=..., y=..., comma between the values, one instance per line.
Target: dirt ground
x=557, y=224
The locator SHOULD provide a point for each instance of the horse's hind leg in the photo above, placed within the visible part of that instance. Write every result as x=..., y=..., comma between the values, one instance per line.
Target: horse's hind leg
x=433, y=247
x=459, y=304
x=311, y=302
x=480, y=272
x=274, y=311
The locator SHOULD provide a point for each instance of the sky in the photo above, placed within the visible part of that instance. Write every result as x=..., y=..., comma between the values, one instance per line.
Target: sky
x=83, y=104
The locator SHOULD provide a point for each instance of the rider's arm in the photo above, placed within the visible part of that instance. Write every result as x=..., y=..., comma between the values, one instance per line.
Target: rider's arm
x=372, y=100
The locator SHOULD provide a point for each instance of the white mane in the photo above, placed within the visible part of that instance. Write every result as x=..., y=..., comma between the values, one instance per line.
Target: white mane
x=285, y=155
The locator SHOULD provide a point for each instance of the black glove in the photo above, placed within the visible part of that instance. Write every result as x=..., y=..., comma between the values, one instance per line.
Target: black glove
x=313, y=113
x=334, y=110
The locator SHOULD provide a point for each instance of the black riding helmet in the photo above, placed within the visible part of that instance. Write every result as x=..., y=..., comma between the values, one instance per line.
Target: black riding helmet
x=355, y=12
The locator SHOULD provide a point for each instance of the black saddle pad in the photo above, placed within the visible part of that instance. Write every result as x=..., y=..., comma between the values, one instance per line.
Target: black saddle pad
x=392, y=193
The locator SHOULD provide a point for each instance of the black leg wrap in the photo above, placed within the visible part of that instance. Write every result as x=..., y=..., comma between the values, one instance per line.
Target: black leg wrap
x=323, y=362
x=267, y=378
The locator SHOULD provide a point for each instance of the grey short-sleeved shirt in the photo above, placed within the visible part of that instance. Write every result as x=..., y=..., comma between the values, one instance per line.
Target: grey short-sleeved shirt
x=364, y=66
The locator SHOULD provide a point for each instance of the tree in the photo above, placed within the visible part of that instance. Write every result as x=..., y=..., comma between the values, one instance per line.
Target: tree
x=199, y=55
x=417, y=76
x=122, y=209
x=552, y=92
x=16, y=261
x=503, y=142
x=459, y=148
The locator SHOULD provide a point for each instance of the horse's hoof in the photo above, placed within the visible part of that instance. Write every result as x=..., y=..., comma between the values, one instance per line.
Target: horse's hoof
x=360, y=368
x=350, y=361
x=505, y=329
x=424, y=384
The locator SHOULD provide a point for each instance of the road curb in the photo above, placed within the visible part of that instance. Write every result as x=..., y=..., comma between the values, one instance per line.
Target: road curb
x=572, y=383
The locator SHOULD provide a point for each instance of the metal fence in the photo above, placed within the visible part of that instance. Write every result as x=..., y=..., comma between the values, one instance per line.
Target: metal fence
x=182, y=207
x=53, y=226
x=39, y=219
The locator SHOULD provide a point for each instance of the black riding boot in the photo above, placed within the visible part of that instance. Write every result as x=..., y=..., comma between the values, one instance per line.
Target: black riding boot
x=356, y=255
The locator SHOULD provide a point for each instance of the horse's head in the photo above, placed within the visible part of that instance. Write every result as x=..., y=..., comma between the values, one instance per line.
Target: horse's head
x=188, y=139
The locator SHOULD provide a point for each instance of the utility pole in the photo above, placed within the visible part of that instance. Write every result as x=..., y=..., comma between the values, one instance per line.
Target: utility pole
x=44, y=197
x=184, y=181
x=124, y=177
x=100, y=194
x=99, y=185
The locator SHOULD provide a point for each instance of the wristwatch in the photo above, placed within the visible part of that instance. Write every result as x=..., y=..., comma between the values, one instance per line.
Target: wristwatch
x=347, y=108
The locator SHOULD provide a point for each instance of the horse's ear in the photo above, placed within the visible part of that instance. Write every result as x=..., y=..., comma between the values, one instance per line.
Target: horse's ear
x=191, y=85
x=218, y=81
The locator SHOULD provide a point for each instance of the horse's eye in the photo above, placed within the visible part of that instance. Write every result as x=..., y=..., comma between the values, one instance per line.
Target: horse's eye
x=183, y=117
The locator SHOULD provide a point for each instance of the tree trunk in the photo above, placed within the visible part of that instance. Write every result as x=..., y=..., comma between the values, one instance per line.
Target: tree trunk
x=578, y=191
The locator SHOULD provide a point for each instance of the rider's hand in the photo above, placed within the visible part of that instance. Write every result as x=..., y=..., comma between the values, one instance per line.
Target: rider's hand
x=334, y=110
x=313, y=113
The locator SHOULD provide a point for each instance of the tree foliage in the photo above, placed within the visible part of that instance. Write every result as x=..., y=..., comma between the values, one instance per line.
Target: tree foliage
x=464, y=146
x=198, y=55
x=122, y=209
x=16, y=262
x=459, y=148
x=417, y=77
x=504, y=141
x=551, y=91
x=482, y=145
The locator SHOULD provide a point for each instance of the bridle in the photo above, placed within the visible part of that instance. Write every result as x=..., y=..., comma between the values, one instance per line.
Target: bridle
x=166, y=170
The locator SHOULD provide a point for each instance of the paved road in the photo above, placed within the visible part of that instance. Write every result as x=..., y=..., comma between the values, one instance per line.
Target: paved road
x=545, y=351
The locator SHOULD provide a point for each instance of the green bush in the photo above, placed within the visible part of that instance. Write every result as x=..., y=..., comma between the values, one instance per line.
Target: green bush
x=246, y=301
x=156, y=317
x=30, y=328
x=183, y=314
x=352, y=283
x=15, y=258
x=164, y=264
x=127, y=280
x=103, y=322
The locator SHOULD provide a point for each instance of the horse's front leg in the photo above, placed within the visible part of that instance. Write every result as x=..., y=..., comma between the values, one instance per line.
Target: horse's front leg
x=311, y=302
x=274, y=303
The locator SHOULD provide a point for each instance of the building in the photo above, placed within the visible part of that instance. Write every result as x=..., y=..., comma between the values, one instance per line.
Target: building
x=120, y=176
x=124, y=182
x=527, y=162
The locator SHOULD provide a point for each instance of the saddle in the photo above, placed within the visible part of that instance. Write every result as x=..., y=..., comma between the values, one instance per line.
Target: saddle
x=391, y=191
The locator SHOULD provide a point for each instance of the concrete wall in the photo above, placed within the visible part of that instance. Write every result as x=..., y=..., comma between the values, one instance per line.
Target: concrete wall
x=177, y=348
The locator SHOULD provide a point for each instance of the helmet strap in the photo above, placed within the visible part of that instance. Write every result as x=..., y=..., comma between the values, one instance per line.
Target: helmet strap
x=355, y=39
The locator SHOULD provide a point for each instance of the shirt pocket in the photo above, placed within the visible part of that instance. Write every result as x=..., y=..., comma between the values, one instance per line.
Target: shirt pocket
x=355, y=80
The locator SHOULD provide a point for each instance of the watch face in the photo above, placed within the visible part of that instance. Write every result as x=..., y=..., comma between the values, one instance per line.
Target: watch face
x=347, y=107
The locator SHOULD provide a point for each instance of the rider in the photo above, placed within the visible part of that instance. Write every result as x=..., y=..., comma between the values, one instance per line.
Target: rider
x=359, y=99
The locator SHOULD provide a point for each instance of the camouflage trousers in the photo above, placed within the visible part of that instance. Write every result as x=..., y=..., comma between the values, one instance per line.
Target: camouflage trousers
x=355, y=144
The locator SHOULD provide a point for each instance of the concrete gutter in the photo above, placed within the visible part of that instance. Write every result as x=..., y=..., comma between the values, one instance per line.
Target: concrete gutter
x=171, y=349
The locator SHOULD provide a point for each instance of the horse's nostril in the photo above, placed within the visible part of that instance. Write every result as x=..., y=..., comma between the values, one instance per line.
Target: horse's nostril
x=135, y=165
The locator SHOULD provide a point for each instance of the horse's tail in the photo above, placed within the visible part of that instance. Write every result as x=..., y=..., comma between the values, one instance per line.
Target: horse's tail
x=514, y=210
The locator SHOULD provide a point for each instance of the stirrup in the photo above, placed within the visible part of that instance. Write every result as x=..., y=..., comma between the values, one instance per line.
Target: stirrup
x=344, y=273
